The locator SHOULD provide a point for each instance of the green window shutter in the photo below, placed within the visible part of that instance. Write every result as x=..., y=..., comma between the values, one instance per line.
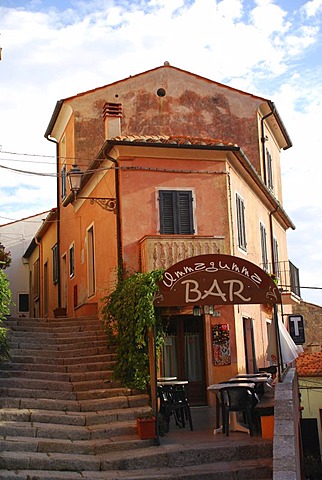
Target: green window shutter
x=176, y=212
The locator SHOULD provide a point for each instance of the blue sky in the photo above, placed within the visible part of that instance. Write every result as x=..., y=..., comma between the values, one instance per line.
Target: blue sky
x=55, y=49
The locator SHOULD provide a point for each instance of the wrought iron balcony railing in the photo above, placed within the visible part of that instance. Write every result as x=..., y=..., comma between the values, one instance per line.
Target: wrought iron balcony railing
x=287, y=274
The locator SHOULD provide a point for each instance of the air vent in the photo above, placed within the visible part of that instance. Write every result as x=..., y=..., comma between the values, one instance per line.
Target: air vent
x=112, y=110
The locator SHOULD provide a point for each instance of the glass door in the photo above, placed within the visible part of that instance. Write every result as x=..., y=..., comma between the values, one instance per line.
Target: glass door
x=183, y=355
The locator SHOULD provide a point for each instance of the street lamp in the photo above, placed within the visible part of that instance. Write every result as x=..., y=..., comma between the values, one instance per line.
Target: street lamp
x=75, y=176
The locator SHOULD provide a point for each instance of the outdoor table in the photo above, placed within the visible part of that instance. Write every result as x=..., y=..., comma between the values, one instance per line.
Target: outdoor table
x=253, y=375
x=216, y=388
x=262, y=383
x=172, y=382
x=167, y=379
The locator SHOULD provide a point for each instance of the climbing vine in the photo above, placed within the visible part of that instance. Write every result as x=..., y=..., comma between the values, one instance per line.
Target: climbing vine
x=128, y=313
x=5, y=301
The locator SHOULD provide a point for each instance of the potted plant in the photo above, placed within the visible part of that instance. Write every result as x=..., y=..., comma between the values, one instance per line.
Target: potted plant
x=145, y=426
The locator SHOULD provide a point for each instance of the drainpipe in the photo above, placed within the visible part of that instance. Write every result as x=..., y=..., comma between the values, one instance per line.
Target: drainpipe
x=118, y=216
x=50, y=139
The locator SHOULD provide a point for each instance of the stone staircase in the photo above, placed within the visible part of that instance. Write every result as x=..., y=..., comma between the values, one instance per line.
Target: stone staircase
x=63, y=417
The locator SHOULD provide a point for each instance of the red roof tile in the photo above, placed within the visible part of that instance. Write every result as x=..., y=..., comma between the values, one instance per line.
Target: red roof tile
x=309, y=365
x=172, y=140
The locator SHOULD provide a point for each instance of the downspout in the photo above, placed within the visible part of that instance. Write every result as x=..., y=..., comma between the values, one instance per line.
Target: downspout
x=263, y=140
x=50, y=139
x=119, y=244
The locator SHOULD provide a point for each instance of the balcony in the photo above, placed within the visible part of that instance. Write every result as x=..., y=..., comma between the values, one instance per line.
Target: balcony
x=162, y=251
x=288, y=280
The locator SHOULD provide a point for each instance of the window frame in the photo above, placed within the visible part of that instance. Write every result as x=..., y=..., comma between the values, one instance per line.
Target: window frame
x=241, y=222
x=72, y=261
x=269, y=170
x=263, y=242
x=176, y=212
x=55, y=264
x=91, y=261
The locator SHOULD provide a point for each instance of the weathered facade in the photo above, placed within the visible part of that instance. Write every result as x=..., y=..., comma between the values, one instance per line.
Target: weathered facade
x=175, y=166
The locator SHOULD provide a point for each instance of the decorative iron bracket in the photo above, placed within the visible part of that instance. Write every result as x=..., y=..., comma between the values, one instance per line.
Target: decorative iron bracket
x=108, y=204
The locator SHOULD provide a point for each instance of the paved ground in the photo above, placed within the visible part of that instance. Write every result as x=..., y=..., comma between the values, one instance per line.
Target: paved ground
x=203, y=423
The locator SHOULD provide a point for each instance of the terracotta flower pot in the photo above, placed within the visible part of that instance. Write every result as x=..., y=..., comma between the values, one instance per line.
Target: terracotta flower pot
x=145, y=428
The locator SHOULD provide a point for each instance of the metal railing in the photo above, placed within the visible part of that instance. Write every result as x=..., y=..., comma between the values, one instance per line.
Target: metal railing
x=288, y=276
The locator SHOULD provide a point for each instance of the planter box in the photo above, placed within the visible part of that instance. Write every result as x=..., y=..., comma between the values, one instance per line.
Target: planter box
x=145, y=428
x=267, y=424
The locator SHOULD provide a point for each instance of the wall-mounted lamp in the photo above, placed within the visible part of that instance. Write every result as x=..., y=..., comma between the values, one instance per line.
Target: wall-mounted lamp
x=209, y=309
x=74, y=177
x=196, y=311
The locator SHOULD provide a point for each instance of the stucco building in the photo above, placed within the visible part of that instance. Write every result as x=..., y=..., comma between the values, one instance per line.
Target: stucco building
x=174, y=165
x=16, y=237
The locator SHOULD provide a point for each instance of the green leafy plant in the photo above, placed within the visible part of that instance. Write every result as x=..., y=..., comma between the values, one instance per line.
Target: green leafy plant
x=5, y=301
x=128, y=313
x=5, y=258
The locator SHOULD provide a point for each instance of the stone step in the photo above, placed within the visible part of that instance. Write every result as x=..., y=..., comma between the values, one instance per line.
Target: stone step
x=57, y=353
x=160, y=457
x=55, y=345
x=75, y=368
x=152, y=463
x=59, y=391
x=70, y=417
x=79, y=377
x=52, y=334
x=73, y=360
x=53, y=322
x=78, y=447
x=61, y=405
x=59, y=431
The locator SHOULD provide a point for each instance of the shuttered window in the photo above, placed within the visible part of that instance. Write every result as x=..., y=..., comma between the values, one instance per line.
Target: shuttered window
x=176, y=216
x=269, y=170
x=241, y=224
x=264, y=247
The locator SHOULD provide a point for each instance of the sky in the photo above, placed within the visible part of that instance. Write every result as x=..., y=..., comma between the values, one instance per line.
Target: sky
x=271, y=48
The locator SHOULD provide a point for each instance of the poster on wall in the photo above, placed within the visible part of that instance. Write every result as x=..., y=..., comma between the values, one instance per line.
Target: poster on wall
x=221, y=344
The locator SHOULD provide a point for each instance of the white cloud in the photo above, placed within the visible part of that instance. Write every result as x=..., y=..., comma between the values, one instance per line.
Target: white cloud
x=256, y=46
x=313, y=7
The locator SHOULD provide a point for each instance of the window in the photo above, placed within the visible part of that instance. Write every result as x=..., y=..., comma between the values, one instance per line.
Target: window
x=176, y=214
x=23, y=302
x=241, y=225
x=55, y=263
x=46, y=289
x=71, y=261
x=264, y=247
x=90, y=261
x=63, y=182
x=36, y=280
x=269, y=170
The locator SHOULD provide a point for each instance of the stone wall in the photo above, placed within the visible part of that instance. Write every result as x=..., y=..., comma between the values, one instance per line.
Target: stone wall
x=286, y=444
x=312, y=315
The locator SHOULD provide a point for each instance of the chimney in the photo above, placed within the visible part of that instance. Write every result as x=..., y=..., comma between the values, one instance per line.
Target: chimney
x=112, y=114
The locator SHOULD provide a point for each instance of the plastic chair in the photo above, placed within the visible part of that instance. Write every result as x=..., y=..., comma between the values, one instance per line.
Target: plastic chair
x=238, y=399
x=173, y=401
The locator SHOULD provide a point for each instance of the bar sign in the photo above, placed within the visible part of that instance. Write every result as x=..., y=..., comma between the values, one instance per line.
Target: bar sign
x=296, y=324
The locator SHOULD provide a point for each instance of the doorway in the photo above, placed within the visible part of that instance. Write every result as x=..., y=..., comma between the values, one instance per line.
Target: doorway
x=183, y=355
x=249, y=344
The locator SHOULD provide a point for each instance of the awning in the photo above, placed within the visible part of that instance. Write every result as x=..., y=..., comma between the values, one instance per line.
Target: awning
x=289, y=350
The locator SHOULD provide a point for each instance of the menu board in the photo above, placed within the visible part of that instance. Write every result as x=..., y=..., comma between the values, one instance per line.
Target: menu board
x=221, y=344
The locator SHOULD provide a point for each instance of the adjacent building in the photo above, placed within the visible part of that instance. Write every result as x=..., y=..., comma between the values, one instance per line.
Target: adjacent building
x=16, y=236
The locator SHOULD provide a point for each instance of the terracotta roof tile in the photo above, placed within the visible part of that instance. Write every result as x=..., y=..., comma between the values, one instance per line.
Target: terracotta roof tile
x=309, y=365
x=172, y=140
